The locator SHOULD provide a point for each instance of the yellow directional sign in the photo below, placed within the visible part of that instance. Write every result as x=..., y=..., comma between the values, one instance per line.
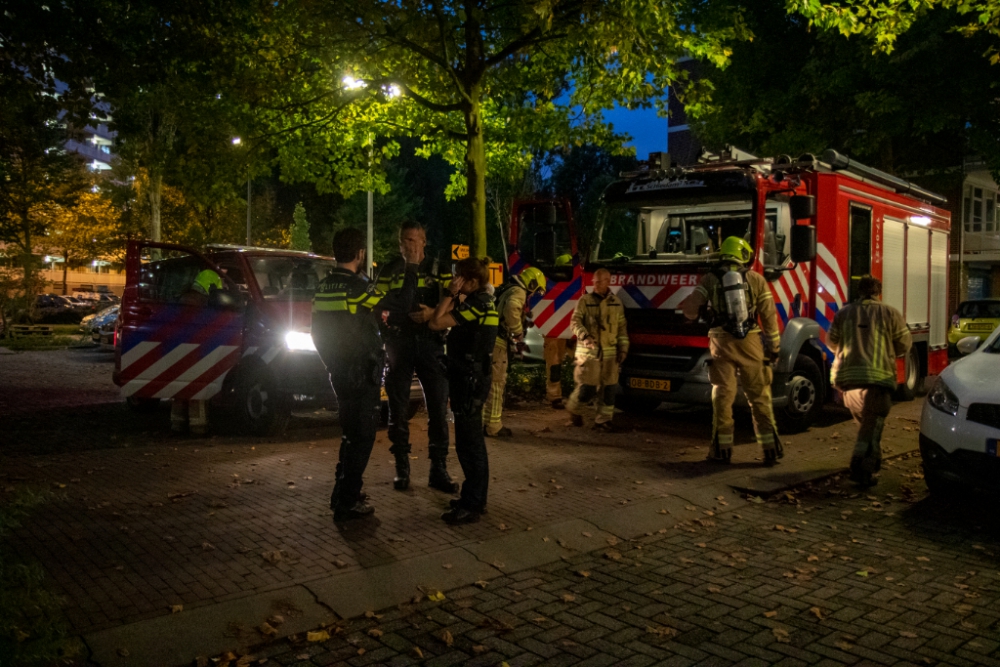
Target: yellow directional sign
x=496, y=274
x=459, y=252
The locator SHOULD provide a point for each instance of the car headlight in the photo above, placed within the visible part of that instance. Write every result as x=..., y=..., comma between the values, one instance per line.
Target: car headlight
x=299, y=340
x=942, y=398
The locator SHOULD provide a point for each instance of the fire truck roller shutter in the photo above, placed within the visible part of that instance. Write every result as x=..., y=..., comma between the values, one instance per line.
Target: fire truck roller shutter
x=893, y=262
x=917, y=275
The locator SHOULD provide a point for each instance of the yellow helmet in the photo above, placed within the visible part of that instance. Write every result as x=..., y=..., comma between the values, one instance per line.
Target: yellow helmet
x=564, y=260
x=736, y=248
x=206, y=281
x=533, y=280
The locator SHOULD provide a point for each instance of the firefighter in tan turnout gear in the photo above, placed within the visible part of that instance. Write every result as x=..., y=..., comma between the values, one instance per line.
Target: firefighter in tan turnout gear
x=733, y=299
x=601, y=347
x=866, y=336
x=511, y=300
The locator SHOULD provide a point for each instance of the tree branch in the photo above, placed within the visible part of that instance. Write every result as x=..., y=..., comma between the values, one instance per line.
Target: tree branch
x=433, y=106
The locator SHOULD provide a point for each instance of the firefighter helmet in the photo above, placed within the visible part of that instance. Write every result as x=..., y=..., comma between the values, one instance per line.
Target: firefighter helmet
x=533, y=280
x=736, y=248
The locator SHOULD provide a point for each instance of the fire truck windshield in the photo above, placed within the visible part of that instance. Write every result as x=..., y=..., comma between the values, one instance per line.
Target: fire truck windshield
x=673, y=233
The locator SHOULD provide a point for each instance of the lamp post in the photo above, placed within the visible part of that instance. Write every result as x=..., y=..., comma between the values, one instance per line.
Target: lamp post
x=391, y=91
x=236, y=142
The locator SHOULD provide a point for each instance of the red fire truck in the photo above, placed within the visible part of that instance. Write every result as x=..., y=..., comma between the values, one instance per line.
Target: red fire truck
x=817, y=226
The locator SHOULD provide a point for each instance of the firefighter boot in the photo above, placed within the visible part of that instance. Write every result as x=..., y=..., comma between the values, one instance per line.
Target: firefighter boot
x=772, y=454
x=439, y=478
x=721, y=449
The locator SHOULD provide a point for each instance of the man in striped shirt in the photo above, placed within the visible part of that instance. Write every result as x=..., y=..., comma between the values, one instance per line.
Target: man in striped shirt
x=866, y=337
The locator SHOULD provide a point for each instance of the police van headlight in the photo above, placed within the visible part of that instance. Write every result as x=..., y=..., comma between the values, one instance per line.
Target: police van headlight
x=299, y=341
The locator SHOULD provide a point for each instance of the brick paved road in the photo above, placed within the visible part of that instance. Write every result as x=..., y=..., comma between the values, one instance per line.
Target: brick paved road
x=822, y=577
x=149, y=520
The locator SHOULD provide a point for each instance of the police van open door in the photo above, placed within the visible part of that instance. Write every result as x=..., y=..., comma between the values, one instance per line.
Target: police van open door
x=175, y=341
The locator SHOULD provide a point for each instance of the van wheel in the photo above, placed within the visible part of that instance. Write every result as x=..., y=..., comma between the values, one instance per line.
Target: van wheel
x=258, y=408
x=805, y=396
x=914, y=380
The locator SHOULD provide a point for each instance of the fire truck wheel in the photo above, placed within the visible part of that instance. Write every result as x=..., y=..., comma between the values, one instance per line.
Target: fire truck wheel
x=259, y=409
x=914, y=382
x=805, y=396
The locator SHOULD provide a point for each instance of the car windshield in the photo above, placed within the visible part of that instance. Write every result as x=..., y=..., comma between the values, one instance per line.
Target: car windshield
x=289, y=278
x=975, y=309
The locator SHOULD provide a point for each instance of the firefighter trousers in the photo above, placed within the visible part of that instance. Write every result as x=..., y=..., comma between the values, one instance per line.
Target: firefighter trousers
x=594, y=378
x=869, y=405
x=359, y=417
x=423, y=355
x=740, y=362
x=493, y=409
x=555, y=354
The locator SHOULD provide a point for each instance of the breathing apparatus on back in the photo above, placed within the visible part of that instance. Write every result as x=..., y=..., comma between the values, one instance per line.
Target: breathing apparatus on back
x=734, y=310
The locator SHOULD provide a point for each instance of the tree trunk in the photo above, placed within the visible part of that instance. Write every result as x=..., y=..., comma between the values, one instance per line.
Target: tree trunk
x=155, y=188
x=475, y=175
x=65, y=273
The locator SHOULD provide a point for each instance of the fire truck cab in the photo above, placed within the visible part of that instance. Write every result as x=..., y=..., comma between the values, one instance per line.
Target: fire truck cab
x=816, y=225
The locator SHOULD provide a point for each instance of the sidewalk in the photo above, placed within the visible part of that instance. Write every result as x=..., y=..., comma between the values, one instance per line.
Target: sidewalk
x=232, y=529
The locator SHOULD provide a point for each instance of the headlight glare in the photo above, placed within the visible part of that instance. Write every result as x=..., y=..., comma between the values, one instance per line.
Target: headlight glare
x=942, y=398
x=299, y=340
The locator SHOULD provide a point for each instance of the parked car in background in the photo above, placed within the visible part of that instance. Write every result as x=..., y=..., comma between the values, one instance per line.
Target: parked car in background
x=94, y=324
x=973, y=318
x=960, y=424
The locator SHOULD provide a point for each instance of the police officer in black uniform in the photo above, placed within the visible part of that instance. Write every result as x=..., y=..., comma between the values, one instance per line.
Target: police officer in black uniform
x=412, y=347
x=473, y=321
x=345, y=330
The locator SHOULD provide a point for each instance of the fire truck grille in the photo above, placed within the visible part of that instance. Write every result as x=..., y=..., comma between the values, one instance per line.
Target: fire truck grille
x=984, y=413
x=672, y=360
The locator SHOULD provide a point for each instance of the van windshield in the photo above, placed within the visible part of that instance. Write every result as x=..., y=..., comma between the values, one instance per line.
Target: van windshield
x=289, y=278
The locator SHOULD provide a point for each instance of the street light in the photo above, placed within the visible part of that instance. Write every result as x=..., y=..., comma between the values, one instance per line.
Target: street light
x=236, y=142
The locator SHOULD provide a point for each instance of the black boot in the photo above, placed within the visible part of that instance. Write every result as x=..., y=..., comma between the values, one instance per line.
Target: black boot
x=459, y=516
x=439, y=478
x=352, y=512
x=402, y=480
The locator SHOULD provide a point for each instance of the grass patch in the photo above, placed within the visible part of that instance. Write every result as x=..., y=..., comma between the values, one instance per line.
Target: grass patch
x=31, y=626
x=526, y=382
x=33, y=343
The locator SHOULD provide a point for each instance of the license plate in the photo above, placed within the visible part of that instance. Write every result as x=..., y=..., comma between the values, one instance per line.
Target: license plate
x=980, y=327
x=649, y=383
x=991, y=447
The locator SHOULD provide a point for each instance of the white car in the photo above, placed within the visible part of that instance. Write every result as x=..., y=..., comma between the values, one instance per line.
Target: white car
x=960, y=424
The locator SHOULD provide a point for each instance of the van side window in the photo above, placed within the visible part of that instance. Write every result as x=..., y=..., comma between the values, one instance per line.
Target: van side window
x=167, y=280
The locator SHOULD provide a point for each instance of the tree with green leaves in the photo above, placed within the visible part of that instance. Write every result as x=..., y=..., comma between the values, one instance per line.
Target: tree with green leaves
x=924, y=106
x=298, y=233
x=481, y=82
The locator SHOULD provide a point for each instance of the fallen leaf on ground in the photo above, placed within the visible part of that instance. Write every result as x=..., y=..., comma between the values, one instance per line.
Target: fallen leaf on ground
x=207, y=546
x=907, y=634
x=267, y=629
x=817, y=612
x=375, y=632
x=123, y=652
x=417, y=652
x=843, y=646
x=781, y=635
x=583, y=573
x=176, y=608
x=446, y=566
x=339, y=564
x=447, y=638
x=482, y=584
x=613, y=555
x=923, y=559
x=479, y=649
x=436, y=597
x=661, y=631
x=770, y=614
x=272, y=557
x=318, y=636
x=568, y=598
x=862, y=573
x=276, y=620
